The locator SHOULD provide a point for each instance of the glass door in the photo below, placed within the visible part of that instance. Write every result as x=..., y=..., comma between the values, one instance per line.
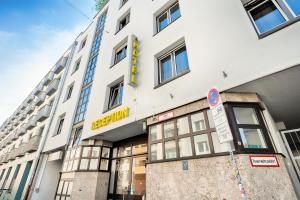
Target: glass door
x=128, y=172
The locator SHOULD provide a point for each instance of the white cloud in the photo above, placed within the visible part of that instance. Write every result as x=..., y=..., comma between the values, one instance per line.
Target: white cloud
x=23, y=67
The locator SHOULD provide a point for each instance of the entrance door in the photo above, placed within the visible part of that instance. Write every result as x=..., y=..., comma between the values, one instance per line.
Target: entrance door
x=292, y=142
x=128, y=172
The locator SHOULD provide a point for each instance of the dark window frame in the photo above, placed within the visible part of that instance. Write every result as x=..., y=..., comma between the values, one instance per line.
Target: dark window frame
x=120, y=88
x=262, y=126
x=126, y=20
x=122, y=50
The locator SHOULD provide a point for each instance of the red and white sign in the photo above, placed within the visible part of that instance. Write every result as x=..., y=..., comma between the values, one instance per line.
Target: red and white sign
x=165, y=116
x=263, y=161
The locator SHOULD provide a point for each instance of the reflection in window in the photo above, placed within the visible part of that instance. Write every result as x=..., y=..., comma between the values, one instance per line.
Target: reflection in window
x=295, y=6
x=185, y=147
x=155, y=132
x=252, y=138
x=245, y=115
x=156, y=152
x=170, y=150
x=168, y=17
x=183, y=126
x=169, y=129
x=198, y=122
x=218, y=147
x=266, y=16
x=201, y=144
x=116, y=95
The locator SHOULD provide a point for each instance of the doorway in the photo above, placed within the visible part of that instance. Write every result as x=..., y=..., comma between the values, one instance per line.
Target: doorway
x=128, y=170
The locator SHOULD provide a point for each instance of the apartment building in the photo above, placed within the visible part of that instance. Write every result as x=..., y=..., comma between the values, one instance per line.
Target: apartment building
x=133, y=121
x=21, y=133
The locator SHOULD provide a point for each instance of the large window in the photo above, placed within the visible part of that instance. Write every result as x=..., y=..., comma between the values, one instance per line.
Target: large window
x=64, y=190
x=173, y=64
x=168, y=16
x=82, y=105
x=77, y=136
x=116, y=95
x=188, y=136
x=12, y=182
x=267, y=15
x=250, y=127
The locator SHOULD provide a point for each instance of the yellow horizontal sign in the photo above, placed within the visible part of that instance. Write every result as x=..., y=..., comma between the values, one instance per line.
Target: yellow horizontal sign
x=113, y=117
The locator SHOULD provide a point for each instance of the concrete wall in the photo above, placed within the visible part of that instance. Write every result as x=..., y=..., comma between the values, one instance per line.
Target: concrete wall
x=213, y=179
x=46, y=188
x=90, y=186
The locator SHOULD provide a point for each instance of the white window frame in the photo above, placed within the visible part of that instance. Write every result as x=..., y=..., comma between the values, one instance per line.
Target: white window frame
x=118, y=50
x=173, y=62
x=290, y=9
x=127, y=18
x=168, y=11
x=109, y=106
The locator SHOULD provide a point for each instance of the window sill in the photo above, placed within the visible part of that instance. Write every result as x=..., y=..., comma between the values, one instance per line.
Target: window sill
x=117, y=62
x=157, y=32
x=109, y=109
x=278, y=28
x=172, y=79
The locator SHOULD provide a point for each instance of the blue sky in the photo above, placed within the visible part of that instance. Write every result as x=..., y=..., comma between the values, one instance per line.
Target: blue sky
x=33, y=35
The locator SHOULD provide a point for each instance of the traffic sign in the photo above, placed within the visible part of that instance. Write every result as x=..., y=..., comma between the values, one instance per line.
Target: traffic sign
x=213, y=97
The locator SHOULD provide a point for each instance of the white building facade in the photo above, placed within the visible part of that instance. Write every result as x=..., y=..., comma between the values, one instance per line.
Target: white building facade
x=132, y=120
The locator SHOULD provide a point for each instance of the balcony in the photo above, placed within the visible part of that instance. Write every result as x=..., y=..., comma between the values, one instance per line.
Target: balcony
x=31, y=122
x=22, y=130
x=48, y=78
x=15, y=135
x=30, y=108
x=23, y=106
x=52, y=87
x=33, y=144
x=40, y=98
x=43, y=113
x=10, y=127
x=29, y=98
x=22, y=116
x=5, y=158
x=38, y=89
x=16, y=122
x=60, y=65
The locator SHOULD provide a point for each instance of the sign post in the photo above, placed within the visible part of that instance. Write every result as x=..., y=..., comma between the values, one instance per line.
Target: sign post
x=223, y=131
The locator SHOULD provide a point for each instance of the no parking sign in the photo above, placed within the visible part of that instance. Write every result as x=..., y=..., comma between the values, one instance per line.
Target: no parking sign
x=219, y=116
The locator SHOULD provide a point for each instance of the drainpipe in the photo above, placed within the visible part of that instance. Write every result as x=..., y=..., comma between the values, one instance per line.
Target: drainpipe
x=36, y=164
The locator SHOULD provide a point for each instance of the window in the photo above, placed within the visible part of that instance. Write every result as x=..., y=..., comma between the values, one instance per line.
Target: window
x=267, y=15
x=115, y=95
x=123, y=2
x=69, y=92
x=168, y=17
x=77, y=136
x=173, y=64
x=94, y=158
x=60, y=124
x=123, y=22
x=64, y=190
x=250, y=127
x=294, y=5
x=83, y=43
x=188, y=136
x=82, y=104
x=77, y=64
x=120, y=53
x=71, y=160
x=12, y=182
x=6, y=178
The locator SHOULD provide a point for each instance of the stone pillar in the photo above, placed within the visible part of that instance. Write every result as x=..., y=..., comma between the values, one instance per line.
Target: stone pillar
x=90, y=186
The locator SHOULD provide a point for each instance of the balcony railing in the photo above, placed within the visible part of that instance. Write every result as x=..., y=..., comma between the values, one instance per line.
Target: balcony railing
x=60, y=65
x=31, y=108
x=22, y=130
x=15, y=135
x=38, y=89
x=31, y=122
x=43, y=113
x=22, y=116
x=30, y=98
x=40, y=98
x=48, y=78
x=33, y=144
x=52, y=87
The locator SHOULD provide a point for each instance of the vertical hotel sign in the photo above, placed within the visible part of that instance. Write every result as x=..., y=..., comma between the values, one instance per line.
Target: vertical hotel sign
x=133, y=69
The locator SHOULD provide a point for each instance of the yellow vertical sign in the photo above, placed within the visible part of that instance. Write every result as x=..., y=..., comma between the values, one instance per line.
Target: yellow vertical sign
x=134, y=57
